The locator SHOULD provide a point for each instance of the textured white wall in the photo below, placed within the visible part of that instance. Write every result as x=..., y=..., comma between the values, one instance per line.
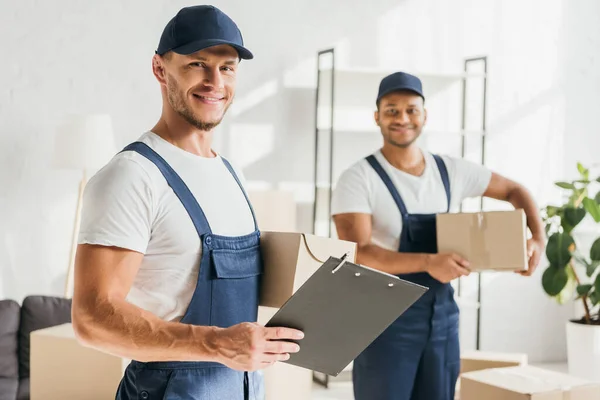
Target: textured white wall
x=63, y=57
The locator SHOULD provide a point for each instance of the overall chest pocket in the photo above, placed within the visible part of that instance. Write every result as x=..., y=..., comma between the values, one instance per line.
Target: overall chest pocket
x=420, y=231
x=235, y=285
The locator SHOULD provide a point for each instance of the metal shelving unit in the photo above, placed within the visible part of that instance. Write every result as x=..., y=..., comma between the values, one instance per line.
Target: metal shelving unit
x=342, y=108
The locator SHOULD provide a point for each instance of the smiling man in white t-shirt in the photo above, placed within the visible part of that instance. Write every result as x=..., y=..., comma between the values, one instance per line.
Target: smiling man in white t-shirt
x=168, y=266
x=387, y=204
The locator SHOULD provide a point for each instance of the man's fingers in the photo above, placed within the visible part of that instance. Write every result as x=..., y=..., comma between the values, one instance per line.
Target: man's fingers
x=283, y=334
x=461, y=261
x=281, y=347
x=270, y=359
x=534, y=260
x=460, y=270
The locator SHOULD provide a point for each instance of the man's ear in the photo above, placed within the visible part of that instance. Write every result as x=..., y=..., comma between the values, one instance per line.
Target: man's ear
x=376, y=116
x=158, y=69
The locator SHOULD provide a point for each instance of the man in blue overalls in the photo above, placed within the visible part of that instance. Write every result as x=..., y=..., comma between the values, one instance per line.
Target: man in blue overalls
x=168, y=263
x=387, y=204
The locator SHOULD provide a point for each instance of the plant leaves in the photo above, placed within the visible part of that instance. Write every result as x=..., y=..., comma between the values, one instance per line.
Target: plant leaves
x=597, y=284
x=585, y=173
x=593, y=208
x=558, y=249
x=583, y=290
x=594, y=298
x=565, y=185
x=573, y=216
x=554, y=280
x=553, y=211
x=595, y=250
x=597, y=198
x=577, y=196
x=591, y=268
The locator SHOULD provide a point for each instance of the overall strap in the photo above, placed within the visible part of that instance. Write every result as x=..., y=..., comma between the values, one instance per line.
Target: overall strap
x=231, y=170
x=388, y=183
x=177, y=184
x=444, y=174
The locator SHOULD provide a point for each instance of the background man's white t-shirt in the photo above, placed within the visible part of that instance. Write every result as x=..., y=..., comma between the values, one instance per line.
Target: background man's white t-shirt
x=361, y=190
x=129, y=204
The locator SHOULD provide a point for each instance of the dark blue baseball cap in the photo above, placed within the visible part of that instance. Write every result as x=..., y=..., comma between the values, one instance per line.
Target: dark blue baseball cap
x=199, y=27
x=400, y=81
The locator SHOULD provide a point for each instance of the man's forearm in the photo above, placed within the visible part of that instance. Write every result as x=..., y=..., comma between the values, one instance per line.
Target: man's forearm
x=392, y=262
x=122, y=329
x=521, y=198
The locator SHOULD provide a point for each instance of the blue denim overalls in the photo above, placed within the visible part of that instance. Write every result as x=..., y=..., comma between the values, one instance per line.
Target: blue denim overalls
x=226, y=294
x=417, y=357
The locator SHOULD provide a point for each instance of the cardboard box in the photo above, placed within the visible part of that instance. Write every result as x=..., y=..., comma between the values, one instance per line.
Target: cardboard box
x=491, y=240
x=62, y=369
x=285, y=381
x=291, y=258
x=477, y=360
x=526, y=383
x=275, y=210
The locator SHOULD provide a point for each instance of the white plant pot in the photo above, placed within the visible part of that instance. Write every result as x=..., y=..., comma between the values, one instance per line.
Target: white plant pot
x=583, y=350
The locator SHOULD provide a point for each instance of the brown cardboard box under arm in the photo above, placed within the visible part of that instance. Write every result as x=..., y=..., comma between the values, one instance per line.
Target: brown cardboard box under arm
x=490, y=240
x=525, y=383
x=62, y=369
x=477, y=360
x=291, y=258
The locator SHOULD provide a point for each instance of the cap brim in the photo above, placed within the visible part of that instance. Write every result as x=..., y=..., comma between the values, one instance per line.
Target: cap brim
x=400, y=89
x=198, y=45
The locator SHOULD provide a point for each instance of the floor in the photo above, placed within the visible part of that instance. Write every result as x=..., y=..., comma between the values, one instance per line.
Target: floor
x=343, y=390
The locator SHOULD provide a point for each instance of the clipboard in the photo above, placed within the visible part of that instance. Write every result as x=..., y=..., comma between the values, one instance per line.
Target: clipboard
x=342, y=308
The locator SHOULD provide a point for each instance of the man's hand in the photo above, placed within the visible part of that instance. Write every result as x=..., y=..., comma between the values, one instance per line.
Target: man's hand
x=535, y=248
x=447, y=267
x=250, y=347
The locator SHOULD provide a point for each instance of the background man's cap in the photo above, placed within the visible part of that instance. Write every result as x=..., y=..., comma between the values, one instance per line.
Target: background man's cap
x=400, y=81
x=199, y=27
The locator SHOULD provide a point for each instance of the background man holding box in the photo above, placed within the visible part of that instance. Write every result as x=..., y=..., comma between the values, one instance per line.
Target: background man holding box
x=168, y=267
x=387, y=204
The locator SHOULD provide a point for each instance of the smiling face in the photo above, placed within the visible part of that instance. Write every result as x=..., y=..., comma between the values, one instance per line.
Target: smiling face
x=200, y=87
x=401, y=117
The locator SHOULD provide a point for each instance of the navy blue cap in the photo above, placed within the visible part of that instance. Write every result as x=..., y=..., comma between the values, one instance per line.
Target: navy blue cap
x=199, y=27
x=400, y=81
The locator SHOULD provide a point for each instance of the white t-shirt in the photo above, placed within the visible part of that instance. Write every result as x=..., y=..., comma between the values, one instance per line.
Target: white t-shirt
x=129, y=204
x=361, y=190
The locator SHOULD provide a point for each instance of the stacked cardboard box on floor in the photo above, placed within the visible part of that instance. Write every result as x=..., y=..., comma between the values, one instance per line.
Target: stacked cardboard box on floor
x=476, y=360
x=63, y=369
x=525, y=383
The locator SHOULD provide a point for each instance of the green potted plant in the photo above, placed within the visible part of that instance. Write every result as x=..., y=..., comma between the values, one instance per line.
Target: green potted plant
x=573, y=271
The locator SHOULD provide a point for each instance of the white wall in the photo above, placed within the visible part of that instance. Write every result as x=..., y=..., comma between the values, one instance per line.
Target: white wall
x=71, y=57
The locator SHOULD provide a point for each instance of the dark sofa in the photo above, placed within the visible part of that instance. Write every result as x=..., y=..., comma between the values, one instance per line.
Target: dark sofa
x=16, y=323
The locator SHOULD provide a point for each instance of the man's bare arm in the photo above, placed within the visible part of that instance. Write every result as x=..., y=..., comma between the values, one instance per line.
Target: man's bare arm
x=103, y=319
x=357, y=228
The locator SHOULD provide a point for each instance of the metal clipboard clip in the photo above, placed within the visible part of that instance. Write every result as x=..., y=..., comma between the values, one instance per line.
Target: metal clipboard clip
x=357, y=274
x=341, y=264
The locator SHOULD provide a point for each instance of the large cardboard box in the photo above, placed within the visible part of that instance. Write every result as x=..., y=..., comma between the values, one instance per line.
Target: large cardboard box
x=477, y=360
x=291, y=258
x=491, y=240
x=526, y=383
x=275, y=210
x=62, y=369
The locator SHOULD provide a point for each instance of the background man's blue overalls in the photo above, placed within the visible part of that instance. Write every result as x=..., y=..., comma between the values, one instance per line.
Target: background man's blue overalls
x=418, y=356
